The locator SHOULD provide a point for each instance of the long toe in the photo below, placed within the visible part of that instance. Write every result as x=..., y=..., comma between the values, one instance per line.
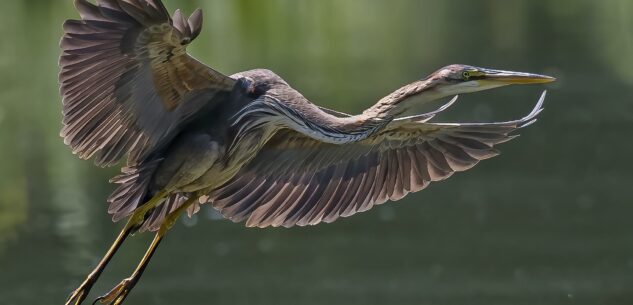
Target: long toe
x=117, y=294
x=76, y=297
x=79, y=294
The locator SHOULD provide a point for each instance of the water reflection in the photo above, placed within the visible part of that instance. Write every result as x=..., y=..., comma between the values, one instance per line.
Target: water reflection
x=548, y=222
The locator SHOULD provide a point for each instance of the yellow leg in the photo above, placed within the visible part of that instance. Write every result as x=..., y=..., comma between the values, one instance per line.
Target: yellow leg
x=77, y=296
x=118, y=294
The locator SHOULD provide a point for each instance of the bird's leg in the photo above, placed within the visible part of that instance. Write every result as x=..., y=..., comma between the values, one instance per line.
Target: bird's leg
x=79, y=294
x=118, y=294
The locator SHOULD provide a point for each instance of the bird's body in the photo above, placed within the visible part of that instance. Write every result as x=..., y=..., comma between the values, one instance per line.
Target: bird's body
x=248, y=144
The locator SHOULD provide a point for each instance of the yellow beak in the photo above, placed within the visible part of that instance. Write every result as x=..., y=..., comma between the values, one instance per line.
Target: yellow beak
x=510, y=77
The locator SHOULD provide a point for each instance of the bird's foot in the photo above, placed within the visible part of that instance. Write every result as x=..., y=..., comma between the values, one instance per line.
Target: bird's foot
x=79, y=294
x=117, y=294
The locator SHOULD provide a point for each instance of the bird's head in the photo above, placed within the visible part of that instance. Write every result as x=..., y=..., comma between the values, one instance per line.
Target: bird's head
x=448, y=81
x=458, y=79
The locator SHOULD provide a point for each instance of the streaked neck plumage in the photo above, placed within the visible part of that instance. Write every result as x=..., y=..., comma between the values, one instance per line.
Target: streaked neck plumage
x=401, y=100
x=283, y=107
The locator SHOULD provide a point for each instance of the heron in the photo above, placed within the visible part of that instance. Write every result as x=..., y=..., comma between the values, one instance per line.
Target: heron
x=247, y=144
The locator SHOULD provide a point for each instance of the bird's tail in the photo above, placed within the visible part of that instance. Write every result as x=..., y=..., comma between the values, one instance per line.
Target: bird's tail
x=133, y=188
x=134, y=191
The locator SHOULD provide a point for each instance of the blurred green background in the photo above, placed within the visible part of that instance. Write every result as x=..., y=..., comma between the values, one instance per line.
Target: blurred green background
x=547, y=222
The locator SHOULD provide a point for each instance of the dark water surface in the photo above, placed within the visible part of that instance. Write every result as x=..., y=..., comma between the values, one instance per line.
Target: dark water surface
x=547, y=222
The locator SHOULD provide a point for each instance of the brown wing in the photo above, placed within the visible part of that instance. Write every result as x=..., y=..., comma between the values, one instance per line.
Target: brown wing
x=296, y=180
x=126, y=80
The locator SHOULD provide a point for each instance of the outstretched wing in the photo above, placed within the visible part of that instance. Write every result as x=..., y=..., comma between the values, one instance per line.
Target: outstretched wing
x=296, y=180
x=126, y=80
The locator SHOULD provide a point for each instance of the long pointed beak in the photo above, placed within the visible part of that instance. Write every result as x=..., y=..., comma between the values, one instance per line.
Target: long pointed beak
x=510, y=77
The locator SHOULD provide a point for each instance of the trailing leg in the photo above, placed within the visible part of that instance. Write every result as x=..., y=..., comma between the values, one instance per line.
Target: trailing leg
x=118, y=294
x=136, y=219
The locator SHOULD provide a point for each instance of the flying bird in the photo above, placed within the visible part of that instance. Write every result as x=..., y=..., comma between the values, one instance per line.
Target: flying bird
x=248, y=144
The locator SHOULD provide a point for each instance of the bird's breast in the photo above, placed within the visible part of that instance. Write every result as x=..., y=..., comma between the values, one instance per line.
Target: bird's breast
x=239, y=153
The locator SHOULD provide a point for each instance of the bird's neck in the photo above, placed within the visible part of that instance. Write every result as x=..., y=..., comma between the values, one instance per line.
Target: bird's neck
x=361, y=126
x=340, y=130
x=276, y=110
x=401, y=100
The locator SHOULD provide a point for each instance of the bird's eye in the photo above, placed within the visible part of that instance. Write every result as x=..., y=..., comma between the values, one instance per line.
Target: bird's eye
x=466, y=74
